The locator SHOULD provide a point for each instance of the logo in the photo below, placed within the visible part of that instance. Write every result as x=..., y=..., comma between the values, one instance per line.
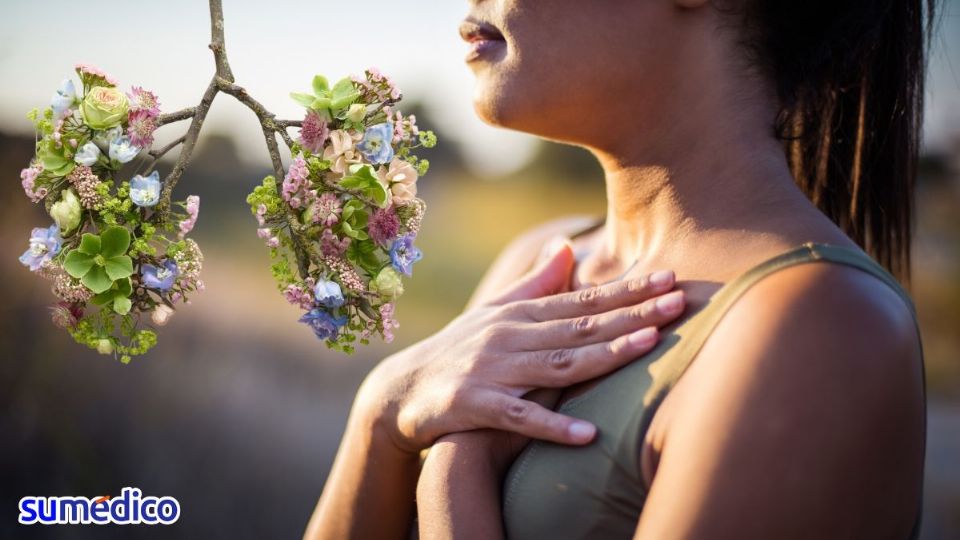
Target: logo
x=130, y=508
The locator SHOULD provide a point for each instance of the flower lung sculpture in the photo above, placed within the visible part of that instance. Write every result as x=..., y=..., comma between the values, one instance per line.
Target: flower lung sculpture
x=345, y=212
x=111, y=253
x=346, y=209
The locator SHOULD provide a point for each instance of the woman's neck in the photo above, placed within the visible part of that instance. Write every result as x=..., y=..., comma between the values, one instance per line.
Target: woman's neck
x=704, y=177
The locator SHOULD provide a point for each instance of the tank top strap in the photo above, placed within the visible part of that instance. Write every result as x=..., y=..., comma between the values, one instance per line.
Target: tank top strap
x=704, y=322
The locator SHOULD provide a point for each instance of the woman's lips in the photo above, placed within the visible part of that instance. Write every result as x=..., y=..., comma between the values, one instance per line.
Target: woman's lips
x=485, y=40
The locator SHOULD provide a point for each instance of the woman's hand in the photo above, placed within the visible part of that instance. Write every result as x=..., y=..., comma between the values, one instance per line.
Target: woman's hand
x=472, y=374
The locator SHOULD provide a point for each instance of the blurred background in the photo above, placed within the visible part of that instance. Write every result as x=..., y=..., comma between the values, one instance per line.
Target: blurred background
x=238, y=410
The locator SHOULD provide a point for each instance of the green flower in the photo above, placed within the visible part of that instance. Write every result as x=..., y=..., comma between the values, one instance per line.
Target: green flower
x=387, y=284
x=104, y=107
x=101, y=264
x=328, y=102
x=55, y=158
x=67, y=211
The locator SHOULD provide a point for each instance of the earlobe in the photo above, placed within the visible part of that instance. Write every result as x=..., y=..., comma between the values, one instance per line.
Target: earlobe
x=690, y=4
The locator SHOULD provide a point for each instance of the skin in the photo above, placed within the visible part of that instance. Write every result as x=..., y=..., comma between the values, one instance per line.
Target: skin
x=804, y=408
x=818, y=362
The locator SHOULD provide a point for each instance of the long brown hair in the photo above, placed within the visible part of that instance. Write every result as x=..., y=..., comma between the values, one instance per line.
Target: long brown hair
x=850, y=77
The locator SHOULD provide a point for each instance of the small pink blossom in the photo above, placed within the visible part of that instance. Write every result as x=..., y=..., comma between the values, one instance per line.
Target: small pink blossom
x=93, y=71
x=331, y=245
x=144, y=101
x=261, y=212
x=28, y=178
x=141, y=128
x=193, y=211
x=314, y=132
x=383, y=225
x=294, y=187
x=326, y=209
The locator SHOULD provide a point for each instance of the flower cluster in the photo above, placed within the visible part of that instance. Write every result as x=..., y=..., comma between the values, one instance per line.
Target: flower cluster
x=342, y=222
x=112, y=253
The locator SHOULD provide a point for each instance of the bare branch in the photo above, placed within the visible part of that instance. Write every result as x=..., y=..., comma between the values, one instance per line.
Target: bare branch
x=223, y=81
x=182, y=114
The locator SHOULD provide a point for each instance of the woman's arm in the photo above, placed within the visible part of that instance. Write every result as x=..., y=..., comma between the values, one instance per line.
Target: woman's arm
x=472, y=375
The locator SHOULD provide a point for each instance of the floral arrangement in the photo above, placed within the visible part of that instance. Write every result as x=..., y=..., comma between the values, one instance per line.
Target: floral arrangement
x=116, y=249
x=346, y=214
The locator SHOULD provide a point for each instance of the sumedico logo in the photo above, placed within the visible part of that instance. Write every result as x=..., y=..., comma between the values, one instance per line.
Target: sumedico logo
x=130, y=508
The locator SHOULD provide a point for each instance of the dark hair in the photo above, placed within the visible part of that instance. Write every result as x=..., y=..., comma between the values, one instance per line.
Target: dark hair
x=850, y=78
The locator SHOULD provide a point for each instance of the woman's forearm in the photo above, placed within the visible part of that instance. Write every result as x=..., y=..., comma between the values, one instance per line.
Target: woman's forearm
x=458, y=495
x=370, y=492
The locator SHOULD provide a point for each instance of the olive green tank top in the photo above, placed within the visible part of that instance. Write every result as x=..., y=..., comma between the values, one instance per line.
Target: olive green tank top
x=597, y=491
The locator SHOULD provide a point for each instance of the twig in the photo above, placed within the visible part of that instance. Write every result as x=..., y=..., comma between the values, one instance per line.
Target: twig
x=182, y=114
x=159, y=153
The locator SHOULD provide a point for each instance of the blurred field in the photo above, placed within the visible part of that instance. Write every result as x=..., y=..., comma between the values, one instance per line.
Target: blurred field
x=239, y=409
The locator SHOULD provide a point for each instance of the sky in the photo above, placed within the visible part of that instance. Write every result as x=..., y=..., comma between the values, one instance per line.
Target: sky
x=276, y=47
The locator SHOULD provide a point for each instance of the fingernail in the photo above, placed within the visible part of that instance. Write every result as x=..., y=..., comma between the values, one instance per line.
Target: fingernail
x=661, y=278
x=581, y=431
x=642, y=338
x=671, y=303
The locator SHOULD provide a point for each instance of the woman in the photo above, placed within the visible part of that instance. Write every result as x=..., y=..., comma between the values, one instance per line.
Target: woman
x=782, y=399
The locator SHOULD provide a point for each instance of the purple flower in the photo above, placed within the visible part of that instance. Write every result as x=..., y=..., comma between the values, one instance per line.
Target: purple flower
x=383, y=225
x=314, y=132
x=161, y=278
x=44, y=244
x=403, y=254
x=324, y=325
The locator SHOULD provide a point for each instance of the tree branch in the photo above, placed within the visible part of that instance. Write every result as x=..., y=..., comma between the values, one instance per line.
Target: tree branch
x=223, y=81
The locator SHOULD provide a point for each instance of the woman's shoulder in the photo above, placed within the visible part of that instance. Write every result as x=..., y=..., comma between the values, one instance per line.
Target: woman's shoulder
x=521, y=253
x=809, y=392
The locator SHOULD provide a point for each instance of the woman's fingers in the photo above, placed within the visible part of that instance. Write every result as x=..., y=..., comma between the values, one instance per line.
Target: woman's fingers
x=596, y=299
x=602, y=327
x=518, y=415
x=562, y=367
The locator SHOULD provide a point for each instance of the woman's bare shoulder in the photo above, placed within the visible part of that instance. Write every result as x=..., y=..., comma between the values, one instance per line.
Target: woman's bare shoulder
x=808, y=397
x=518, y=256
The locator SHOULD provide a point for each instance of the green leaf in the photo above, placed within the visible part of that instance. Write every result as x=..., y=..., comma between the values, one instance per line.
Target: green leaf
x=118, y=267
x=122, y=304
x=124, y=286
x=303, y=99
x=77, y=264
x=103, y=298
x=367, y=173
x=344, y=93
x=353, y=182
x=320, y=103
x=320, y=85
x=97, y=280
x=89, y=244
x=114, y=241
x=378, y=193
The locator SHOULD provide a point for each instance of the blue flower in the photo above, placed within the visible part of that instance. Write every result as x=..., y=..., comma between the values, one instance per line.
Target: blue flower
x=375, y=145
x=162, y=278
x=63, y=99
x=88, y=154
x=328, y=294
x=145, y=190
x=403, y=254
x=324, y=325
x=44, y=244
x=122, y=150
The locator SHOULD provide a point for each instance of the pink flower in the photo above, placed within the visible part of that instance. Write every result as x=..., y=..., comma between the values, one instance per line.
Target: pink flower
x=383, y=225
x=28, y=178
x=341, y=153
x=314, y=132
x=145, y=101
x=332, y=246
x=261, y=212
x=87, y=71
x=141, y=128
x=193, y=211
x=389, y=323
x=400, y=178
x=326, y=209
x=295, y=182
